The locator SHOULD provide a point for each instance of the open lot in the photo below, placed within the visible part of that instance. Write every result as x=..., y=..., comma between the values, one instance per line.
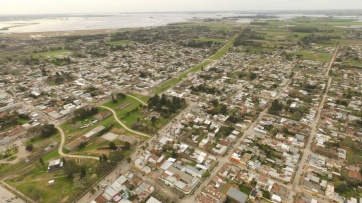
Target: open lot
x=52, y=54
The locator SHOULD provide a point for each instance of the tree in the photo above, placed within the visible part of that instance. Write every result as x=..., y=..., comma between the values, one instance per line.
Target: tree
x=206, y=174
x=215, y=102
x=113, y=99
x=41, y=161
x=82, y=172
x=127, y=146
x=121, y=96
x=174, y=154
x=47, y=130
x=112, y=145
x=104, y=167
x=297, y=115
x=252, y=76
x=29, y=147
x=116, y=156
x=85, y=112
x=153, y=120
x=153, y=101
x=223, y=109
x=70, y=168
x=275, y=107
x=342, y=188
x=104, y=158
x=163, y=99
x=266, y=194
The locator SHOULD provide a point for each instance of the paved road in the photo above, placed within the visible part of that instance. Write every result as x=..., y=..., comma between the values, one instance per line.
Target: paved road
x=60, y=149
x=123, y=125
x=307, y=151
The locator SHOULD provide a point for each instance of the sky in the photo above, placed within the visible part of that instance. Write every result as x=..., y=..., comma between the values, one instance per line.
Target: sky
x=119, y=6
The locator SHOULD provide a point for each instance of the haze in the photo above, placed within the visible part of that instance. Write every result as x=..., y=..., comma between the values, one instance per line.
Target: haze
x=97, y=6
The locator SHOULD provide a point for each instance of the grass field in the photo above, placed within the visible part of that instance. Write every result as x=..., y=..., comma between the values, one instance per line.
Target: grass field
x=52, y=54
x=33, y=182
x=133, y=103
x=141, y=97
x=315, y=56
x=167, y=84
x=224, y=49
x=224, y=25
x=171, y=82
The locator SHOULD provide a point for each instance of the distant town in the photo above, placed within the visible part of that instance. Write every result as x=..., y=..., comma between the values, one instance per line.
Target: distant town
x=207, y=111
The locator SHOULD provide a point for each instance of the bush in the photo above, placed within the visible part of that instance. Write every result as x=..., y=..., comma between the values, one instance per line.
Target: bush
x=29, y=147
x=112, y=145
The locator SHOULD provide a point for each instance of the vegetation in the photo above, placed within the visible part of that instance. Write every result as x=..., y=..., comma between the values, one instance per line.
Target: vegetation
x=48, y=130
x=83, y=113
x=166, y=106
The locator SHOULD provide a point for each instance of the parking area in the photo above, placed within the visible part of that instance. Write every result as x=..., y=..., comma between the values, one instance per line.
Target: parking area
x=8, y=197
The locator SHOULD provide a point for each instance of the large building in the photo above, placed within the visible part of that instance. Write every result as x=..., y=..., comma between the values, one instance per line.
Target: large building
x=86, y=137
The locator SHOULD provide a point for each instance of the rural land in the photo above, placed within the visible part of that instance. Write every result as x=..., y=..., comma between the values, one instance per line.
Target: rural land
x=206, y=111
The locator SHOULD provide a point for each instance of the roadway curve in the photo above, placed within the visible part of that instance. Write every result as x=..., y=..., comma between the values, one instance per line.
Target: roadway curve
x=60, y=149
x=122, y=124
x=142, y=102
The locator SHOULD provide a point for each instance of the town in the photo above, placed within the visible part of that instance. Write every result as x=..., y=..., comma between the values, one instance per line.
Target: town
x=206, y=111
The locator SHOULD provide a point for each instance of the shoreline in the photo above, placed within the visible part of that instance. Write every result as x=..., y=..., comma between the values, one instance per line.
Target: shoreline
x=64, y=33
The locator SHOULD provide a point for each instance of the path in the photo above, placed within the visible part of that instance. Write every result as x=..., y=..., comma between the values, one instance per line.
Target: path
x=60, y=149
x=122, y=124
x=142, y=102
x=21, y=155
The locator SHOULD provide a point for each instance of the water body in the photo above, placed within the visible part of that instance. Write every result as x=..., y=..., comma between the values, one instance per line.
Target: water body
x=45, y=23
x=21, y=24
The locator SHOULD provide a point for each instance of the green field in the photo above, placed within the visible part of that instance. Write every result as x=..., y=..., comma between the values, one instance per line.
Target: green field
x=33, y=179
x=141, y=97
x=315, y=56
x=132, y=104
x=171, y=82
x=52, y=54
x=224, y=49
x=224, y=25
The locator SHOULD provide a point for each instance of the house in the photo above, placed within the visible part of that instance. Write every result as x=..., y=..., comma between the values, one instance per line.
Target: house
x=246, y=157
x=204, y=143
x=330, y=191
x=276, y=198
x=207, y=198
x=55, y=165
x=130, y=140
x=153, y=200
x=354, y=176
x=255, y=194
x=86, y=137
x=102, y=115
x=237, y=195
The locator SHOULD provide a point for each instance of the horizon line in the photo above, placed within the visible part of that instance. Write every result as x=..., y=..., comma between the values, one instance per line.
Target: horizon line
x=196, y=11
